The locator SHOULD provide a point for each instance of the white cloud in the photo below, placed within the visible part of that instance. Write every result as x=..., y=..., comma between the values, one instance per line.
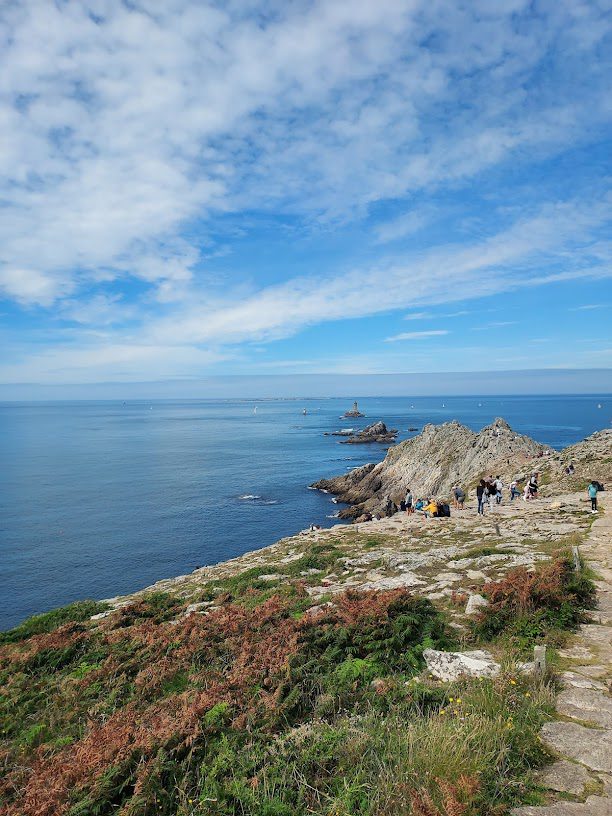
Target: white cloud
x=416, y=335
x=122, y=123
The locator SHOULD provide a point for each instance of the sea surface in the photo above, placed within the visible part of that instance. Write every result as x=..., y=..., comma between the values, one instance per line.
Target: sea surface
x=103, y=498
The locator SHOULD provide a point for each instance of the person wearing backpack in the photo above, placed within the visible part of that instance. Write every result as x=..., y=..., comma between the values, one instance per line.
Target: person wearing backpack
x=592, y=490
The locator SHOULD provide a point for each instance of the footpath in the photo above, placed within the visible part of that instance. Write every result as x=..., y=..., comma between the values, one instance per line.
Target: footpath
x=582, y=735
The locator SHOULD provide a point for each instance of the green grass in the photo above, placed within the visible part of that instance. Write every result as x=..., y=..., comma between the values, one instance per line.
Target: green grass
x=49, y=621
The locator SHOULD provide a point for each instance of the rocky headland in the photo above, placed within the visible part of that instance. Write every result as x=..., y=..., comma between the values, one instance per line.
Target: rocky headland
x=435, y=460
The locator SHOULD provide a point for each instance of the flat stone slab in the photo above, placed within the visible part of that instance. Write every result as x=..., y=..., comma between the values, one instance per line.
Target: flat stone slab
x=579, y=681
x=589, y=746
x=594, y=806
x=565, y=777
x=586, y=704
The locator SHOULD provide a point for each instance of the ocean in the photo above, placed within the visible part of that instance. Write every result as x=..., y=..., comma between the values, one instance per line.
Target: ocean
x=103, y=498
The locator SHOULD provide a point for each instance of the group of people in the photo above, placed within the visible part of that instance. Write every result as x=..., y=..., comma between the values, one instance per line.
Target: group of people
x=429, y=507
x=489, y=491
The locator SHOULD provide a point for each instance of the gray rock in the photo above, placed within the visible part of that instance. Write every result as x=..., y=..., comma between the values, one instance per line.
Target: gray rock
x=450, y=666
x=594, y=806
x=406, y=579
x=566, y=777
x=475, y=603
x=101, y=615
x=586, y=704
x=589, y=746
x=578, y=681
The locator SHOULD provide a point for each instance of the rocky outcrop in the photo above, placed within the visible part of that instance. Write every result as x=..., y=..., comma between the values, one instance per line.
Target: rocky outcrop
x=376, y=432
x=431, y=463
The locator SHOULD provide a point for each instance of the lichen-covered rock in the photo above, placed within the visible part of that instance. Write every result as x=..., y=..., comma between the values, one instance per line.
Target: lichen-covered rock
x=475, y=603
x=450, y=666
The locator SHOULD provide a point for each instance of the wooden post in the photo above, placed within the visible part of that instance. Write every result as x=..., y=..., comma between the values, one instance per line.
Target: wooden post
x=576, y=556
x=539, y=660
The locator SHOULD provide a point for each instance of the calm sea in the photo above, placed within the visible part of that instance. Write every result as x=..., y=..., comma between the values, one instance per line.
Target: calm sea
x=103, y=498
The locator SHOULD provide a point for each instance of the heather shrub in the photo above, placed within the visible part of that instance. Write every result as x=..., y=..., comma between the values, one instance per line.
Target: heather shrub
x=529, y=606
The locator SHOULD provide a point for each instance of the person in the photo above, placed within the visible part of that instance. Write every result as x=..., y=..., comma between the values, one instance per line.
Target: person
x=420, y=504
x=490, y=491
x=514, y=491
x=499, y=485
x=431, y=511
x=459, y=497
x=592, y=491
x=480, y=495
x=533, y=486
x=408, y=501
x=390, y=507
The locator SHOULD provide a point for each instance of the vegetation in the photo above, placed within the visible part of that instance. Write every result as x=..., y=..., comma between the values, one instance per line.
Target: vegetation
x=527, y=607
x=268, y=707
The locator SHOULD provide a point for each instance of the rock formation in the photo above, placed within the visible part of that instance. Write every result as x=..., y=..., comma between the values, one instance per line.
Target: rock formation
x=376, y=432
x=432, y=462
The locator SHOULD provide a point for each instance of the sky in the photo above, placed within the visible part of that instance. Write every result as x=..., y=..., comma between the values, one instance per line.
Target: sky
x=190, y=190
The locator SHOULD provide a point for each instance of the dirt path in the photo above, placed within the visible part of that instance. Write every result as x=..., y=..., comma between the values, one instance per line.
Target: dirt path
x=582, y=737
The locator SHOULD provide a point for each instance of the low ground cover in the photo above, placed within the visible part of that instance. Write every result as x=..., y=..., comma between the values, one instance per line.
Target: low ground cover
x=263, y=707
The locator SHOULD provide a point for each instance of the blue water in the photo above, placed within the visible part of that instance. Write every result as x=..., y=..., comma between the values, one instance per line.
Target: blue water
x=103, y=498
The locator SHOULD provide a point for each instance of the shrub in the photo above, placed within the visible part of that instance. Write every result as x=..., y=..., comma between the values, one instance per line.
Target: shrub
x=530, y=605
x=48, y=621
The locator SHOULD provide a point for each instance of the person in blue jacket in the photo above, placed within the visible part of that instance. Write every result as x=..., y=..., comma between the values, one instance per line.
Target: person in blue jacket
x=592, y=491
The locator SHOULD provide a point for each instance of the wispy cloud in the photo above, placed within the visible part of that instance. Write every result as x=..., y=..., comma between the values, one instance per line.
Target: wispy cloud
x=416, y=335
x=589, y=307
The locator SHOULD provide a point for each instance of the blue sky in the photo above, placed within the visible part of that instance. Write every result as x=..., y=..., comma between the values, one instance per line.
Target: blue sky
x=194, y=189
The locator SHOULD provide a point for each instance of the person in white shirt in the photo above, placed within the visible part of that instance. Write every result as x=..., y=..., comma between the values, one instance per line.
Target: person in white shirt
x=499, y=485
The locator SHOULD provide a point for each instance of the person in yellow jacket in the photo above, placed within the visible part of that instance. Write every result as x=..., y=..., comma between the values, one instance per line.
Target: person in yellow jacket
x=431, y=509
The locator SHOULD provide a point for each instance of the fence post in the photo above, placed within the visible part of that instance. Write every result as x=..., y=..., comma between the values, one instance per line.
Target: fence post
x=539, y=660
x=576, y=556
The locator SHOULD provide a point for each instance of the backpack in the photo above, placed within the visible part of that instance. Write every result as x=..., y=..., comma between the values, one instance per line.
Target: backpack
x=444, y=511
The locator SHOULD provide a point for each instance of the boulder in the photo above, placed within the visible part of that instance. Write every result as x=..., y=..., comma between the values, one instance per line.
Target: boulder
x=475, y=603
x=450, y=666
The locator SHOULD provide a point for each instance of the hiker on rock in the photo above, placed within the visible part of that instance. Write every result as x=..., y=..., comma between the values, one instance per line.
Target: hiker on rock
x=514, y=491
x=458, y=497
x=592, y=490
x=480, y=495
x=499, y=486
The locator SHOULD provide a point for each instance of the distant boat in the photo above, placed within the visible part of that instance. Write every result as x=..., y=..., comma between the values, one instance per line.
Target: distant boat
x=599, y=405
x=255, y=410
x=443, y=405
x=304, y=411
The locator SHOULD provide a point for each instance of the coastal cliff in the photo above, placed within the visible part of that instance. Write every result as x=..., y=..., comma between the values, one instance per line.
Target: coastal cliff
x=310, y=676
x=432, y=462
